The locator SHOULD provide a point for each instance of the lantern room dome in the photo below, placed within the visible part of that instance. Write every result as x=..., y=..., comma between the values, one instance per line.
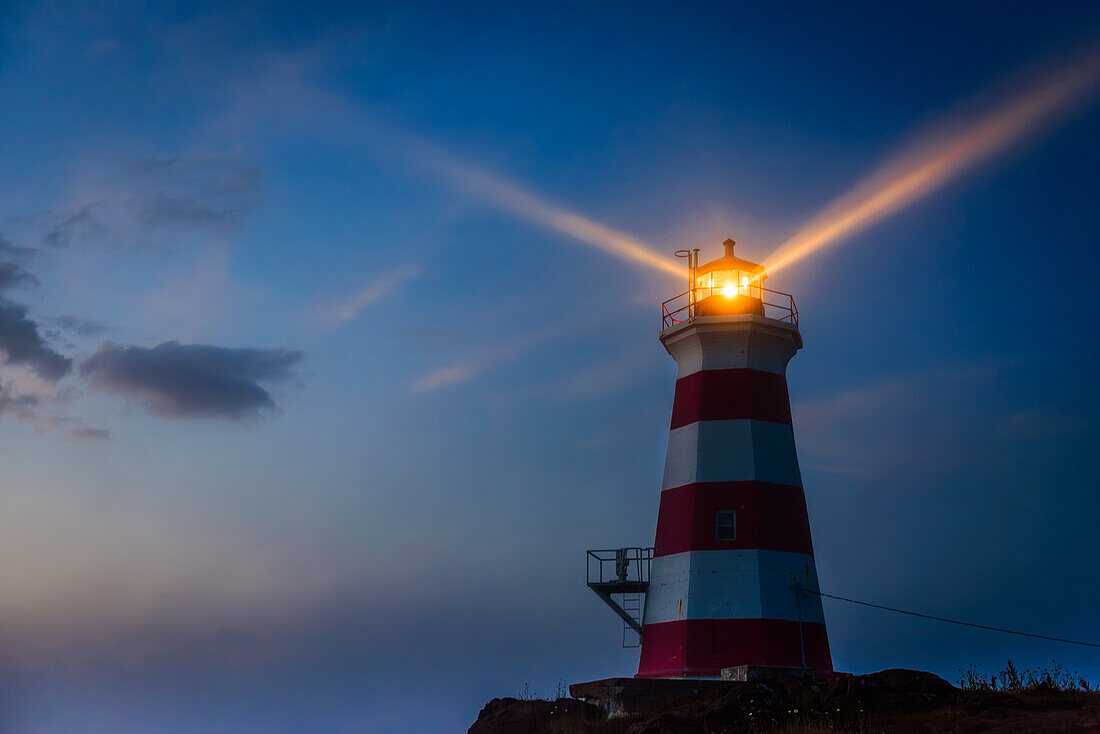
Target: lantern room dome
x=730, y=262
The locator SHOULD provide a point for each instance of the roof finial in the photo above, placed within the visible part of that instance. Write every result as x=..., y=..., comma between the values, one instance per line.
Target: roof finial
x=728, y=244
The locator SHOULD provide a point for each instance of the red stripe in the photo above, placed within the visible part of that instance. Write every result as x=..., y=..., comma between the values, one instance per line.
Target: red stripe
x=715, y=395
x=702, y=647
x=769, y=517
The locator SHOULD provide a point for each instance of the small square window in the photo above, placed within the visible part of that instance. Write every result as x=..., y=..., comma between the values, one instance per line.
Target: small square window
x=725, y=525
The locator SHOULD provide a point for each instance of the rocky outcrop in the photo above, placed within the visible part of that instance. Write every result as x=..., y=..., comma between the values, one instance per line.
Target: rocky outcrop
x=515, y=716
x=891, y=700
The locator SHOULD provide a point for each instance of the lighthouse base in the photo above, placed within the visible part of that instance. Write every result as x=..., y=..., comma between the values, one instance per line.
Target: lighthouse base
x=628, y=696
x=749, y=673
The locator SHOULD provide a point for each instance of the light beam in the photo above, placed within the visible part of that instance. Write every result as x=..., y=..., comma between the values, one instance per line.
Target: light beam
x=532, y=208
x=925, y=167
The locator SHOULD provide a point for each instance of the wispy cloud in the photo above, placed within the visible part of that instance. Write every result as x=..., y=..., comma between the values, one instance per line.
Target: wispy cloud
x=78, y=326
x=375, y=290
x=479, y=363
x=83, y=224
x=211, y=191
x=85, y=434
x=157, y=202
x=455, y=373
x=11, y=251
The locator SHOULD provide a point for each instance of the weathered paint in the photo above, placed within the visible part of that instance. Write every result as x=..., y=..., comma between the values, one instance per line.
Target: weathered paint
x=731, y=584
x=703, y=647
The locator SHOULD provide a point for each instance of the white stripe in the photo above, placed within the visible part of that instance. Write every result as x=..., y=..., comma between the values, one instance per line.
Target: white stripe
x=733, y=584
x=731, y=342
x=731, y=451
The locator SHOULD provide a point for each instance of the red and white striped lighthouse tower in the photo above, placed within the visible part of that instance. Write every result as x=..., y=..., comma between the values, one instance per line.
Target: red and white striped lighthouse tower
x=733, y=536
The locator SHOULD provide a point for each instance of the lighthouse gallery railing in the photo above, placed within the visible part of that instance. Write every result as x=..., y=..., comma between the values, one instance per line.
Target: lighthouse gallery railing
x=777, y=305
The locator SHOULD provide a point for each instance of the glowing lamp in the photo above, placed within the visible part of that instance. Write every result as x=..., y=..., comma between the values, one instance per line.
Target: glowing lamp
x=728, y=285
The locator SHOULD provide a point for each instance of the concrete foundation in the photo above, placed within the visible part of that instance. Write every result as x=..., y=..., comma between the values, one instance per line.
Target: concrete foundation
x=749, y=673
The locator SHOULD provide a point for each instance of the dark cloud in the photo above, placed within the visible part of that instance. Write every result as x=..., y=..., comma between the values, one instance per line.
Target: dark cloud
x=22, y=344
x=87, y=435
x=191, y=380
x=12, y=275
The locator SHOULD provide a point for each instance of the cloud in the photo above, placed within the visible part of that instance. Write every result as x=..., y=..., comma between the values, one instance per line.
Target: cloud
x=83, y=224
x=372, y=292
x=209, y=191
x=453, y=374
x=469, y=368
x=12, y=275
x=85, y=434
x=146, y=201
x=79, y=326
x=176, y=380
x=491, y=356
x=20, y=405
x=25, y=395
x=14, y=252
x=22, y=345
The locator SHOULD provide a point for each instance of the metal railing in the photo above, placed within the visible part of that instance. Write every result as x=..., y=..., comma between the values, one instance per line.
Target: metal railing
x=619, y=565
x=776, y=304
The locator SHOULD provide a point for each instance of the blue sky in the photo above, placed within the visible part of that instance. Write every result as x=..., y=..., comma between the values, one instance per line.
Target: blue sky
x=307, y=424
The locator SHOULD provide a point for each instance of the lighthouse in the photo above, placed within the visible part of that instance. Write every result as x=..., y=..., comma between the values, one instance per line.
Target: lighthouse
x=729, y=579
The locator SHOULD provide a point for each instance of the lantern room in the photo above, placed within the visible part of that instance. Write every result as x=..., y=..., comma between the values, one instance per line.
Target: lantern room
x=727, y=286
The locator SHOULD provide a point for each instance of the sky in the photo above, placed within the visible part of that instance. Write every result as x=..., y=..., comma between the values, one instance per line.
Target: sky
x=329, y=339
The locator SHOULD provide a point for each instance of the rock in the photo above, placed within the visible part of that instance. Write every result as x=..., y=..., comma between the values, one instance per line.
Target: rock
x=666, y=724
x=747, y=705
x=513, y=716
x=891, y=700
x=888, y=691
